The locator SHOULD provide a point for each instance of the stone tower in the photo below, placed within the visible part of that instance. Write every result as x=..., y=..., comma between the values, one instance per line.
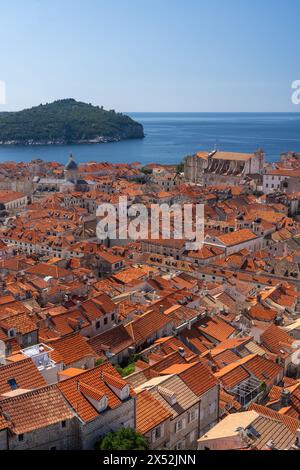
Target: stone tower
x=71, y=170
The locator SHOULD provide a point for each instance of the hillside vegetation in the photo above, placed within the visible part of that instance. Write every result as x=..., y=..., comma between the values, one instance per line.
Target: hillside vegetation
x=64, y=122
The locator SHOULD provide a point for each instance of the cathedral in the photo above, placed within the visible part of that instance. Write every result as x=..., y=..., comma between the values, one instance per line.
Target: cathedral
x=71, y=181
x=222, y=168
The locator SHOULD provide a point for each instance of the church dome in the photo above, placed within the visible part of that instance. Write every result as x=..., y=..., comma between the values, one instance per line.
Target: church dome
x=71, y=165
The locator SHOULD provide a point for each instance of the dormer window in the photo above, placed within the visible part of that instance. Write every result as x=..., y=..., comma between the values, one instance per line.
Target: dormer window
x=103, y=403
x=11, y=333
x=125, y=392
x=117, y=385
x=94, y=396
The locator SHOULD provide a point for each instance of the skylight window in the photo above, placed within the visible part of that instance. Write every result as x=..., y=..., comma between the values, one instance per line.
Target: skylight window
x=12, y=383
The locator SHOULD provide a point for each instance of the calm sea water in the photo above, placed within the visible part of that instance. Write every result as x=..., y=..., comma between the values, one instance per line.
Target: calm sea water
x=171, y=136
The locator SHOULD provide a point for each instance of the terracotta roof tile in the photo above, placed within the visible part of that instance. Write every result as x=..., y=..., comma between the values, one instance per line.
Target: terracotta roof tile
x=291, y=423
x=150, y=412
x=276, y=340
x=265, y=370
x=116, y=339
x=198, y=378
x=21, y=322
x=231, y=376
x=146, y=325
x=24, y=373
x=113, y=380
x=259, y=312
x=215, y=328
x=93, y=377
x=72, y=348
x=36, y=409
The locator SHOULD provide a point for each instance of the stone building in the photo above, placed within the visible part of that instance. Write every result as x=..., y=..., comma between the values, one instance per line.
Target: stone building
x=70, y=182
x=189, y=394
x=70, y=415
x=219, y=168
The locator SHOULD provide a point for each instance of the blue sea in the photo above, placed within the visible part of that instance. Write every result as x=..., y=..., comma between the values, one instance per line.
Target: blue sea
x=171, y=136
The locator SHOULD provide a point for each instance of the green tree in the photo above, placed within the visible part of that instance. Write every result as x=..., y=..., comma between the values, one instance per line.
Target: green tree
x=122, y=439
x=99, y=361
x=180, y=168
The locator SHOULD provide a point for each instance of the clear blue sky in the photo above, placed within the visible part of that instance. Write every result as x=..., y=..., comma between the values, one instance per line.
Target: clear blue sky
x=151, y=55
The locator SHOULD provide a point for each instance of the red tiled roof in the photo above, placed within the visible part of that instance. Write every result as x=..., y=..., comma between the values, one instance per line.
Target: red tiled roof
x=98, y=306
x=21, y=322
x=231, y=376
x=149, y=412
x=198, y=378
x=225, y=357
x=259, y=312
x=92, y=392
x=276, y=340
x=45, y=269
x=25, y=374
x=215, y=328
x=116, y=339
x=36, y=409
x=114, y=380
x=72, y=348
x=93, y=377
x=237, y=237
x=146, y=325
x=264, y=369
x=291, y=423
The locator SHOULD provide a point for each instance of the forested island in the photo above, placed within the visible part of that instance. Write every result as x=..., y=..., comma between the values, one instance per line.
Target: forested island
x=66, y=121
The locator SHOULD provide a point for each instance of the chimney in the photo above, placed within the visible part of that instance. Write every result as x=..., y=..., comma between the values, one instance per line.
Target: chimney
x=271, y=445
x=285, y=398
x=181, y=351
x=297, y=442
x=161, y=309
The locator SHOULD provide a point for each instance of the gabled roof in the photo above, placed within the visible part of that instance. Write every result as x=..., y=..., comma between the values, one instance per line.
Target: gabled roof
x=36, y=409
x=150, y=412
x=291, y=423
x=215, y=328
x=68, y=322
x=45, y=269
x=232, y=375
x=198, y=378
x=72, y=348
x=114, y=380
x=22, y=323
x=277, y=340
x=264, y=369
x=260, y=312
x=116, y=340
x=146, y=325
x=93, y=377
x=98, y=306
x=235, y=238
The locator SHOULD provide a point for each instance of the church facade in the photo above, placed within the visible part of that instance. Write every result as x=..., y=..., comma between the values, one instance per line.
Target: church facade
x=70, y=182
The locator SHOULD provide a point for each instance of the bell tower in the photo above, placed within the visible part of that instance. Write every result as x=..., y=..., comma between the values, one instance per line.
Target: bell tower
x=71, y=170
